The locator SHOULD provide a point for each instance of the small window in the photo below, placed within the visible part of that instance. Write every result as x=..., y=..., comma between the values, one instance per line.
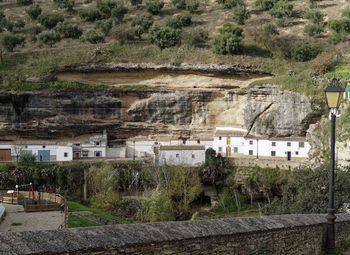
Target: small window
x=297, y=153
x=250, y=152
x=97, y=143
x=184, y=141
x=273, y=153
x=66, y=154
x=273, y=144
x=85, y=154
x=288, y=144
x=301, y=144
x=198, y=141
x=192, y=155
x=177, y=155
x=251, y=142
x=220, y=149
x=77, y=144
x=220, y=137
x=98, y=154
x=235, y=149
x=44, y=146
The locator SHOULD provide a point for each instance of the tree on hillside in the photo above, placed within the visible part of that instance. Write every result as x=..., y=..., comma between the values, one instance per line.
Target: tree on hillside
x=50, y=20
x=154, y=6
x=142, y=25
x=229, y=41
x=164, y=37
x=34, y=11
x=10, y=41
x=49, y=37
x=240, y=14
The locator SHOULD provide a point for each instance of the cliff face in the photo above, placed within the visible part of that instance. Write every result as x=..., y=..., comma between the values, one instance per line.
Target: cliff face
x=183, y=113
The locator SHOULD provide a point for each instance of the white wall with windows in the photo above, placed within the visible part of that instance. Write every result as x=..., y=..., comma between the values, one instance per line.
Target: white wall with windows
x=182, y=155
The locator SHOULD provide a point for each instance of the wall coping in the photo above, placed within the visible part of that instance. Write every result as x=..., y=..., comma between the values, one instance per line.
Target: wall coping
x=112, y=236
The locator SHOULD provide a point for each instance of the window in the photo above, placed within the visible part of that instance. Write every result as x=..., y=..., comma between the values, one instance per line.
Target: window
x=198, y=141
x=66, y=154
x=192, y=155
x=273, y=153
x=97, y=143
x=220, y=149
x=288, y=144
x=235, y=149
x=26, y=147
x=273, y=144
x=177, y=155
x=77, y=144
x=251, y=142
x=297, y=153
x=44, y=146
x=219, y=137
x=98, y=154
x=184, y=141
x=301, y=144
x=250, y=152
x=85, y=154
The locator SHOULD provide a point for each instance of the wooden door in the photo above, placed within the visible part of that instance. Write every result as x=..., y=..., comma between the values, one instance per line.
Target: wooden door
x=5, y=155
x=228, y=140
x=228, y=151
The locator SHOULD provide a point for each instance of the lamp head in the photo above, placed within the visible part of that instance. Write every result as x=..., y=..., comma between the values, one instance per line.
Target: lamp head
x=334, y=94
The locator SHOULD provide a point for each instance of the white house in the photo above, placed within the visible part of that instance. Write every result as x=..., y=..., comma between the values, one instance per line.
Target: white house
x=233, y=142
x=87, y=146
x=187, y=155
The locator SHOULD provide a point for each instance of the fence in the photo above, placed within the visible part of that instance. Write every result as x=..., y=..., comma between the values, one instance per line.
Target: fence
x=8, y=198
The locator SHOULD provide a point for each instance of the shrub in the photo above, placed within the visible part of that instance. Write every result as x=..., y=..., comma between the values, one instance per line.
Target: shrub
x=304, y=51
x=19, y=23
x=270, y=29
x=240, y=14
x=229, y=4
x=228, y=42
x=24, y=2
x=179, y=4
x=154, y=6
x=314, y=15
x=164, y=37
x=196, y=37
x=124, y=33
x=141, y=25
x=10, y=41
x=282, y=9
x=179, y=21
x=265, y=5
x=336, y=38
x=93, y=36
x=104, y=25
x=34, y=31
x=192, y=5
x=119, y=12
x=106, y=6
x=27, y=159
x=68, y=30
x=50, y=21
x=313, y=29
x=346, y=12
x=322, y=62
x=136, y=2
x=90, y=15
x=49, y=37
x=339, y=25
x=8, y=25
x=69, y=4
x=34, y=11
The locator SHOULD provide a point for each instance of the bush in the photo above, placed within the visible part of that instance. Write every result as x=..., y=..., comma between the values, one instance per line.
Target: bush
x=339, y=25
x=104, y=25
x=228, y=42
x=69, y=4
x=229, y=4
x=192, y=5
x=314, y=15
x=196, y=37
x=8, y=25
x=141, y=25
x=304, y=51
x=179, y=21
x=27, y=159
x=106, y=6
x=34, y=31
x=124, y=33
x=24, y=2
x=322, y=62
x=119, y=12
x=136, y=2
x=179, y=4
x=313, y=29
x=154, y=6
x=68, y=30
x=19, y=23
x=34, y=11
x=90, y=15
x=164, y=37
x=49, y=37
x=270, y=29
x=265, y=5
x=50, y=21
x=10, y=41
x=282, y=9
x=338, y=37
x=92, y=36
x=346, y=12
x=240, y=14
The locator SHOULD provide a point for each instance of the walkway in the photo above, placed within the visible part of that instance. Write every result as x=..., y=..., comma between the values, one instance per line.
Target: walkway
x=17, y=220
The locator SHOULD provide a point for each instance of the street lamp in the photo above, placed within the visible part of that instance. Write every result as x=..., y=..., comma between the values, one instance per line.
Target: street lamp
x=334, y=94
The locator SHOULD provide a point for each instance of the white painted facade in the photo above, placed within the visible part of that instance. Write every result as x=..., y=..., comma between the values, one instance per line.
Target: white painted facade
x=181, y=155
x=233, y=142
x=91, y=147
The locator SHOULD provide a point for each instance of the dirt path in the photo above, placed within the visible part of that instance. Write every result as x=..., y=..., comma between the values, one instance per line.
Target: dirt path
x=29, y=221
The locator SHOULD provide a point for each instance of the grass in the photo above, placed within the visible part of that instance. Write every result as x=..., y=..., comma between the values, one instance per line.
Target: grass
x=16, y=224
x=76, y=207
x=75, y=221
x=339, y=71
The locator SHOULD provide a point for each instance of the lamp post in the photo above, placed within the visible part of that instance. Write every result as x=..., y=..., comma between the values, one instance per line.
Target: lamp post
x=334, y=94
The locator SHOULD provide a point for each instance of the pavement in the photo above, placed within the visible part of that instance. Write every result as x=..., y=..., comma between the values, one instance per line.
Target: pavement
x=18, y=220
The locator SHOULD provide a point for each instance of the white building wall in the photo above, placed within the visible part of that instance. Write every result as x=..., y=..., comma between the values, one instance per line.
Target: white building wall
x=118, y=152
x=185, y=157
x=60, y=153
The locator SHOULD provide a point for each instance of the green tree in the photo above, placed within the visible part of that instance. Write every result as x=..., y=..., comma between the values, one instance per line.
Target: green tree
x=339, y=25
x=136, y=2
x=304, y=51
x=313, y=29
x=50, y=21
x=229, y=4
x=27, y=159
x=19, y=23
x=106, y=6
x=10, y=41
x=69, y=4
x=93, y=37
x=154, y=6
x=192, y=5
x=164, y=37
x=179, y=4
x=24, y=2
x=265, y=5
x=68, y=30
x=119, y=12
x=179, y=21
x=346, y=12
x=315, y=16
x=282, y=9
x=104, y=25
x=141, y=24
x=229, y=41
x=90, y=15
x=34, y=11
x=240, y=14
x=49, y=37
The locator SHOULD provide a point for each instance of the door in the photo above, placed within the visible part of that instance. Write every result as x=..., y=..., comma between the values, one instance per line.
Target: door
x=5, y=155
x=228, y=151
x=43, y=155
x=289, y=155
x=76, y=155
x=228, y=140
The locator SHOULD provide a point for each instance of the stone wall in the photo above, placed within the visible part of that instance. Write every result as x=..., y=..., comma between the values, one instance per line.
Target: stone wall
x=284, y=234
x=263, y=162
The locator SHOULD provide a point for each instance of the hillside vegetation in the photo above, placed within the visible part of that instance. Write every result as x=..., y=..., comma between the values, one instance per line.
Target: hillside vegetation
x=292, y=39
